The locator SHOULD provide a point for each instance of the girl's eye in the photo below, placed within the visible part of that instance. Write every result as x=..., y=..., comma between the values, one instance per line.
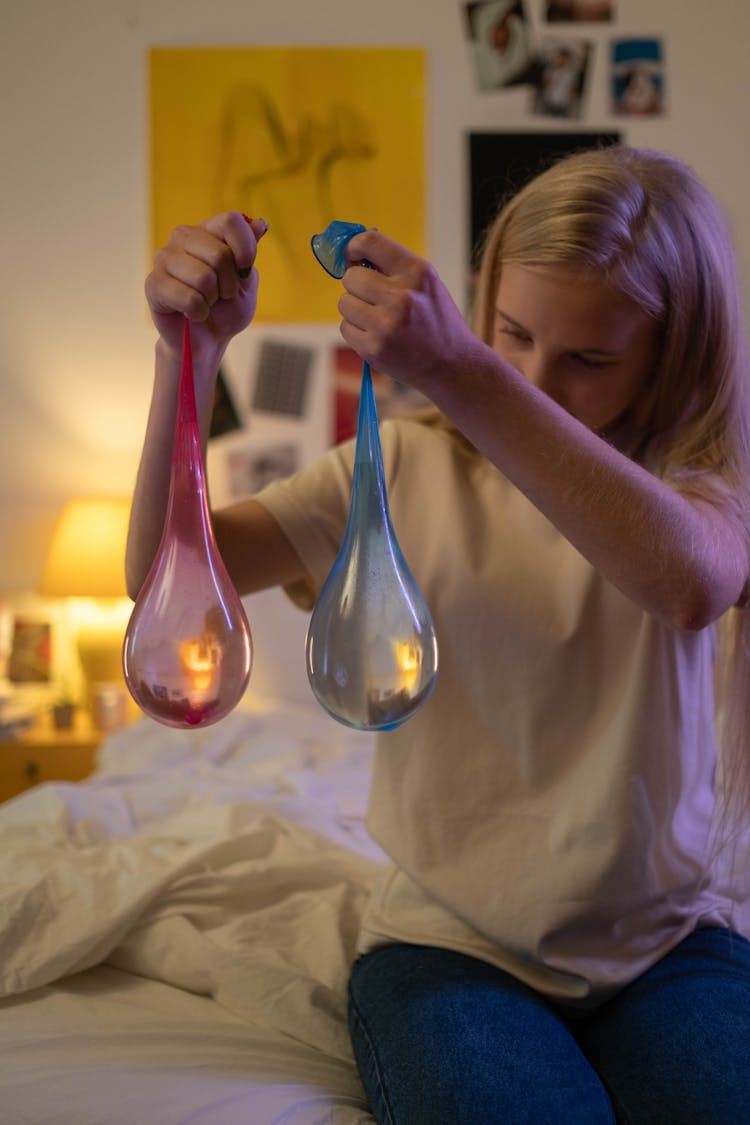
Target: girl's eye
x=586, y=361
x=516, y=334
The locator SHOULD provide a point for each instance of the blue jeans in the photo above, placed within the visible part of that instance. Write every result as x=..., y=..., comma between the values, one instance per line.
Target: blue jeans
x=444, y=1039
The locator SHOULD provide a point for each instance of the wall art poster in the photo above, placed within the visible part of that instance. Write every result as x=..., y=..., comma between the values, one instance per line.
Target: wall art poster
x=295, y=135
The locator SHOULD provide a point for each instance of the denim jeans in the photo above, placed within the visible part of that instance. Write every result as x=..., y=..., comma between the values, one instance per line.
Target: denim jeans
x=444, y=1039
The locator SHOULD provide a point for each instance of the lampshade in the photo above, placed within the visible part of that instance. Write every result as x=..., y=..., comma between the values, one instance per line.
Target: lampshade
x=86, y=558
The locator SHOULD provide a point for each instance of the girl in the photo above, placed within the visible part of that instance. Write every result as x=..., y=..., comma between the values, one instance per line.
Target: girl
x=556, y=938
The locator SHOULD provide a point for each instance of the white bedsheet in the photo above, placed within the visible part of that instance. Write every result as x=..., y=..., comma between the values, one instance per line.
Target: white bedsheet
x=108, y=1048
x=231, y=863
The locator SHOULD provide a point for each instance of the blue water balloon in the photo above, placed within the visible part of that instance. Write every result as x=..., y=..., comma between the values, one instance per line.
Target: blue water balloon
x=371, y=651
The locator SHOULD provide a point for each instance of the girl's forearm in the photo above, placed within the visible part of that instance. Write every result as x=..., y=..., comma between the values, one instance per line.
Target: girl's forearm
x=680, y=558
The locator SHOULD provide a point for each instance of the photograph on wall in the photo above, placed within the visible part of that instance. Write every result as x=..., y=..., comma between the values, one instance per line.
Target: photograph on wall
x=224, y=416
x=392, y=398
x=580, y=11
x=30, y=660
x=560, y=87
x=501, y=163
x=6, y=635
x=282, y=379
x=501, y=43
x=346, y=383
x=637, y=81
x=299, y=136
x=252, y=468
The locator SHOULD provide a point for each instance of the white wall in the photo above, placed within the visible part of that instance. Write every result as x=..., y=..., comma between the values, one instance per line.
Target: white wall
x=75, y=342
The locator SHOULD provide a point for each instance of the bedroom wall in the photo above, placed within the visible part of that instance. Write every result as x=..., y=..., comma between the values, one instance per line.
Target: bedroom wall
x=75, y=343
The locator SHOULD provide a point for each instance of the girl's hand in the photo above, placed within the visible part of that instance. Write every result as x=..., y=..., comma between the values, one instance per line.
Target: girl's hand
x=399, y=316
x=207, y=274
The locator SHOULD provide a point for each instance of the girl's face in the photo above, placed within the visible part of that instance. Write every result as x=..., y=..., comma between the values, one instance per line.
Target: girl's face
x=584, y=344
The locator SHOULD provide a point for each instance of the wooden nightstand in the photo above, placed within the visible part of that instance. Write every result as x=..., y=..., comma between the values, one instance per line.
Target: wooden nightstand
x=43, y=753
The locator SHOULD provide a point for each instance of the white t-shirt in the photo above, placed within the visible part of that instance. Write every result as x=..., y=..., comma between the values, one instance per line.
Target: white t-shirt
x=550, y=808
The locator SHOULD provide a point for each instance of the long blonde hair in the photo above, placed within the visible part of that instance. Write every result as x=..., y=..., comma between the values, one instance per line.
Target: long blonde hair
x=645, y=220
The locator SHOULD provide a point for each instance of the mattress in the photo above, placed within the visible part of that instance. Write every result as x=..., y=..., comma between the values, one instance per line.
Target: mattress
x=176, y=931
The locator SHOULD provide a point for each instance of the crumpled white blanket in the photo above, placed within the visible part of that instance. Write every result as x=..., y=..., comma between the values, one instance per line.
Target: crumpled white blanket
x=231, y=862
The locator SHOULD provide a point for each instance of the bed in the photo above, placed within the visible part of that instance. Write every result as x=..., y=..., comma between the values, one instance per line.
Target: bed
x=176, y=930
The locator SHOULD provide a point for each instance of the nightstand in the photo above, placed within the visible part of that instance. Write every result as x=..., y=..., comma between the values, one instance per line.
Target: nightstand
x=42, y=753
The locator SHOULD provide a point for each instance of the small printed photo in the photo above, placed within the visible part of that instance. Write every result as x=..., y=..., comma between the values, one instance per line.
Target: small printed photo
x=283, y=377
x=391, y=397
x=580, y=11
x=501, y=42
x=250, y=469
x=346, y=383
x=561, y=78
x=637, y=77
x=501, y=163
x=31, y=652
x=224, y=416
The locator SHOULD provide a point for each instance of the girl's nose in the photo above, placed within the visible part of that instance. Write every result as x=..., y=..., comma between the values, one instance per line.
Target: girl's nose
x=542, y=371
x=536, y=368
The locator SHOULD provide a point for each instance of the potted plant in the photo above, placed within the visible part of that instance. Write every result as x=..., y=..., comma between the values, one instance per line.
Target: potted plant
x=63, y=709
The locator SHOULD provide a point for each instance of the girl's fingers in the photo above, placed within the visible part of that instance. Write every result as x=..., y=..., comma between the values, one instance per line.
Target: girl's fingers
x=240, y=234
x=167, y=295
x=356, y=339
x=357, y=311
x=186, y=278
x=202, y=265
x=259, y=228
x=226, y=244
x=217, y=256
x=380, y=251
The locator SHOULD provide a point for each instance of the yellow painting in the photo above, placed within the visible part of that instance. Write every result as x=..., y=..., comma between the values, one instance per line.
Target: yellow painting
x=298, y=136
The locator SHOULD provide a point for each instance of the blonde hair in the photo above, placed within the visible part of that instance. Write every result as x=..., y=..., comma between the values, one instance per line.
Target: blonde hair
x=646, y=221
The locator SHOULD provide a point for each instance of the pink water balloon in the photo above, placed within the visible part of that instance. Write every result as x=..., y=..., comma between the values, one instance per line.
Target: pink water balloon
x=187, y=653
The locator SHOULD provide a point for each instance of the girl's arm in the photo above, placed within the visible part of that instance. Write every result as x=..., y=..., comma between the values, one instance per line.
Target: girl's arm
x=207, y=274
x=679, y=557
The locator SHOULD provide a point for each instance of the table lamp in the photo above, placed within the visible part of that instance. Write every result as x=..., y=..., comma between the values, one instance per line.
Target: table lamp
x=86, y=562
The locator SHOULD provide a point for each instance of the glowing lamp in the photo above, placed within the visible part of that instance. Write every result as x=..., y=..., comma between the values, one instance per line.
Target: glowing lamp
x=86, y=561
